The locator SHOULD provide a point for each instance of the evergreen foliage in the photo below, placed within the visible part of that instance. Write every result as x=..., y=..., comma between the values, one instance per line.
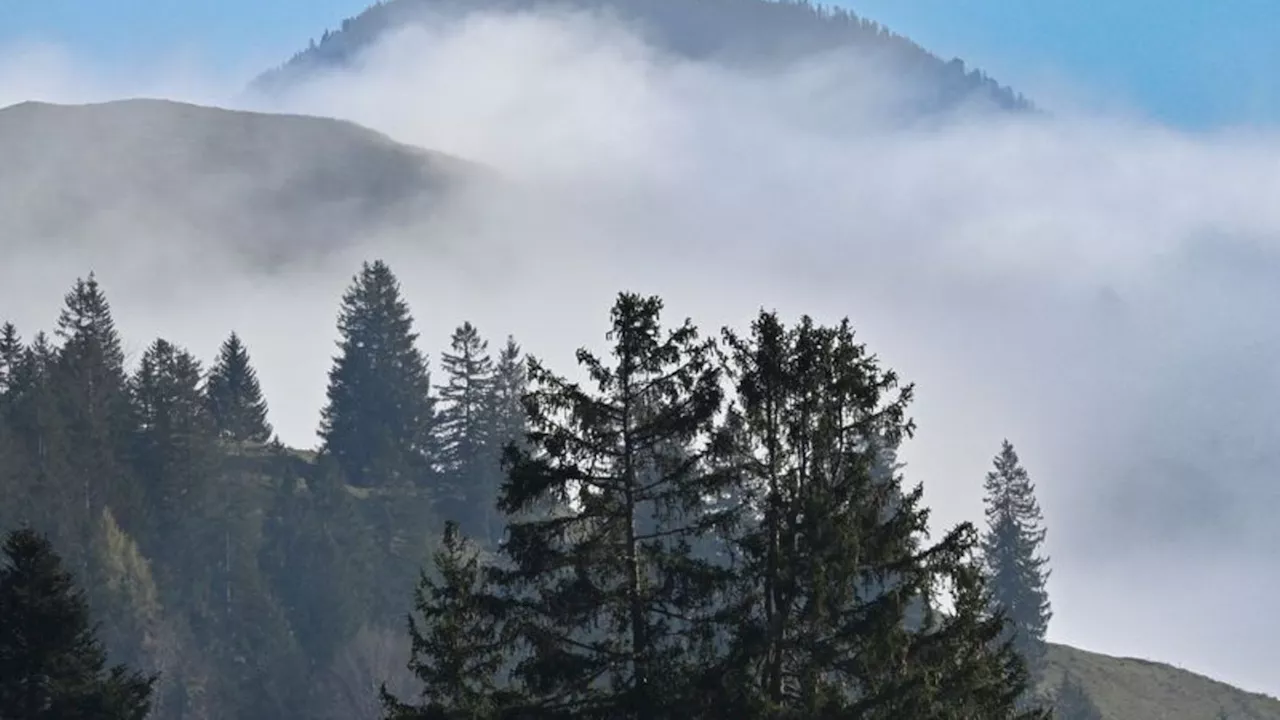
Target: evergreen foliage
x=611, y=613
x=506, y=425
x=40, y=460
x=92, y=400
x=1011, y=548
x=832, y=563
x=505, y=406
x=694, y=530
x=52, y=667
x=10, y=356
x=380, y=415
x=457, y=643
x=173, y=448
x=234, y=397
x=467, y=453
x=315, y=552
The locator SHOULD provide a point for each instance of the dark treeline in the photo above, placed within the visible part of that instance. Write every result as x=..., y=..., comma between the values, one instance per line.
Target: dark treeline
x=703, y=526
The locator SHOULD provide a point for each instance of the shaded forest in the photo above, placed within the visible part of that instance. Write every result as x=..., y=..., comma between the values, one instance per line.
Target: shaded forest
x=704, y=525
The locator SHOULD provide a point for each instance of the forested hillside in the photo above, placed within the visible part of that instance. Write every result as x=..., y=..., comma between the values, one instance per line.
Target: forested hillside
x=763, y=34
x=258, y=581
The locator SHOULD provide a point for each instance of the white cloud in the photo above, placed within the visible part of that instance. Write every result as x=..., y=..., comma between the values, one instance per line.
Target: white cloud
x=1096, y=289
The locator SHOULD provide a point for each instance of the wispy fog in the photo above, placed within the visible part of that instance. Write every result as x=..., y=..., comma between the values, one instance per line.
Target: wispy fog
x=1103, y=292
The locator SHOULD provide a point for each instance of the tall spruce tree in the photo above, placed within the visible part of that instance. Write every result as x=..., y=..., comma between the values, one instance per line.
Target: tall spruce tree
x=506, y=425
x=10, y=355
x=202, y=531
x=46, y=484
x=175, y=459
x=458, y=648
x=609, y=615
x=379, y=418
x=12, y=461
x=234, y=397
x=1011, y=548
x=468, y=483
x=51, y=664
x=506, y=396
x=832, y=559
x=96, y=416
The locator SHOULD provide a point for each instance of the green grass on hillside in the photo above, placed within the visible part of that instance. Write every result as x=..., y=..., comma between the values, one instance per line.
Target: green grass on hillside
x=1131, y=689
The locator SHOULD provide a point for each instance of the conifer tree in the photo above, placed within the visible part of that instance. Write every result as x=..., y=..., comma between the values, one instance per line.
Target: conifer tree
x=318, y=559
x=966, y=667
x=202, y=532
x=506, y=396
x=47, y=487
x=12, y=470
x=1073, y=703
x=10, y=355
x=465, y=445
x=458, y=646
x=612, y=614
x=1011, y=549
x=234, y=397
x=378, y=421
x=174, y=453
x=94, y=404
x=833, y=561
x=506, y=421
x=51, y=664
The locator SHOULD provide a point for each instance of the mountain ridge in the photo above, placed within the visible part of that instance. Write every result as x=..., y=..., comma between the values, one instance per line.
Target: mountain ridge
x=1132, y=688
x=254, y=181
x=738, y=32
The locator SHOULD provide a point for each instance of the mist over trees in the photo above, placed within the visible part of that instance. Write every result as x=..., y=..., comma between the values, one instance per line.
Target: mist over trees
x=703, y=526
x=1011, y=549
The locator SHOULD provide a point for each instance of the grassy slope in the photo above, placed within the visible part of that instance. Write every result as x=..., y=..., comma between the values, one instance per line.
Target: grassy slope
x=1131, y=689
x=268, y=189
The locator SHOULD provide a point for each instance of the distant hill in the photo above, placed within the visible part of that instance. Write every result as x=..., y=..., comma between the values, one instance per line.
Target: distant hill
x=1130, y=689
x=255, y=182
x=759, y=33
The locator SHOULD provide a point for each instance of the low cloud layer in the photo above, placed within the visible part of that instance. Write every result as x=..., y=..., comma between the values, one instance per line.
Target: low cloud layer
x=1097, y=290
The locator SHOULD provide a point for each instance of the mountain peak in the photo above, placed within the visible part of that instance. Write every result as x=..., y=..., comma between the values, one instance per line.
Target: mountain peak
x=735, y=33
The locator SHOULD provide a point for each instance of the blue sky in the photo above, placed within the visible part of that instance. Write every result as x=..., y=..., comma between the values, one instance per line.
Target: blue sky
x=1195, y=63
